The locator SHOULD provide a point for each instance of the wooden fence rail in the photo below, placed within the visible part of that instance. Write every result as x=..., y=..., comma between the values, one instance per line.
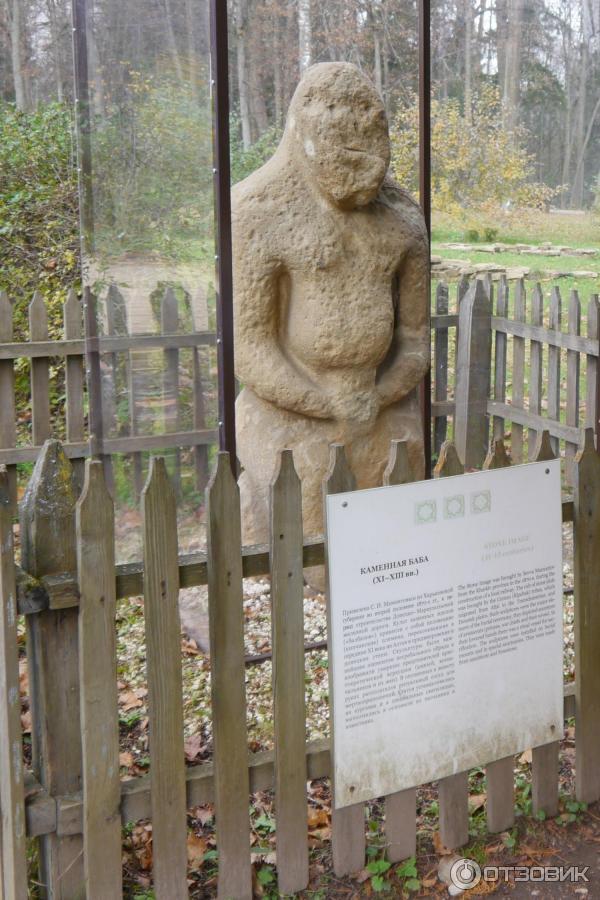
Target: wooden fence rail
x=74, y=799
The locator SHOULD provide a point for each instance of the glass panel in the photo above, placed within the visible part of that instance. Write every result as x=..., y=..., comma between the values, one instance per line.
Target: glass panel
x=516, y=155
x=148, y=252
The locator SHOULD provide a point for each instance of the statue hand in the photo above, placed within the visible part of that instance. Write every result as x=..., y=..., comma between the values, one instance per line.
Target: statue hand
x=361, y=407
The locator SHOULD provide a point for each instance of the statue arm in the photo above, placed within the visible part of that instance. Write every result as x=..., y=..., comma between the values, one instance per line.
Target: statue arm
x=409, y=356
x=260, y=362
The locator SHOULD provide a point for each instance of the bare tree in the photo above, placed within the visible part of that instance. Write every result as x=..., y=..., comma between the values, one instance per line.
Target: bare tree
x=304, y=35
x=14, y=16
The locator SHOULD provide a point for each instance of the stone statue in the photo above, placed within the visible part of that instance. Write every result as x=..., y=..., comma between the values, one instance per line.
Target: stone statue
x=331, y=286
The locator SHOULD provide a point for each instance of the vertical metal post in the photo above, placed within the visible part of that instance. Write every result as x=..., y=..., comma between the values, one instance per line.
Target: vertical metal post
x=219, y=63
x=86, y=217
x=425, y=184
x=82, y=118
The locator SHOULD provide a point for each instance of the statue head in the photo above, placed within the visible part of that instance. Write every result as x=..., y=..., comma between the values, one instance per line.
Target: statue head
x=338, y=130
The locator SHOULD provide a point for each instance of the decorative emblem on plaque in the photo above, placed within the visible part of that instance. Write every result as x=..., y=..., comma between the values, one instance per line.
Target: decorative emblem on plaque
x=481, y=502
x=454, y=507
x=425, y=512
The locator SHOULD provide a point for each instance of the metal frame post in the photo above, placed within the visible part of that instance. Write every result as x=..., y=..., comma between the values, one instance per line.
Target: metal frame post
x=219, y=64
x=425, y=184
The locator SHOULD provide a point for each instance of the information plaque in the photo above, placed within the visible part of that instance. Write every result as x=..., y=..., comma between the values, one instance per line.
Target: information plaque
x=445, y=624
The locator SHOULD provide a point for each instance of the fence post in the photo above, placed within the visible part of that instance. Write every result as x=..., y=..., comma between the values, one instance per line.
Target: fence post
x=169, y=323
x=401, y=807
x=47, y=548
x=441, y=365
x=499, y=773
x=518, y=373
x=40, y=372
x=98, y=677
x=13, y=866
x=500, y=341
x=288, y=676
x=8, y=418
x=163, y=667
x=554, y=355
x=453, y=791
x=74, y=380
x=348, y=841
x=473, y=369
x=544, y=759
x=587, y=619
x=228, y=690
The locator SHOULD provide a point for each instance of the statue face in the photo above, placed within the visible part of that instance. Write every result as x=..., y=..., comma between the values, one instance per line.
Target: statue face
x=339, y=127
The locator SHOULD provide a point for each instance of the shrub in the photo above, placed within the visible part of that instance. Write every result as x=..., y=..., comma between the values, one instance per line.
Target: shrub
x=476, y=162
x=39, y=233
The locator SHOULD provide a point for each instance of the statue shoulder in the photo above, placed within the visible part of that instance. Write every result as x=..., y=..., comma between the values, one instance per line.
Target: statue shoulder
x=399, y=199
x=255, y=204
x=254, y=198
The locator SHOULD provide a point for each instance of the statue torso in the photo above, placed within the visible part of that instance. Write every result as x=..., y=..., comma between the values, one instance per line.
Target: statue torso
x=336, y=293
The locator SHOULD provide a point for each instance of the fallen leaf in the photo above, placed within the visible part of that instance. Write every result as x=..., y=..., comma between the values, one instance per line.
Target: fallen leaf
x=126, y=759
x=204, y=815
x=23, y=678
x=525, y=758
x=476, y=801
x=190, y=647
x=26, y=722
x=129, y=700
x=144, y=857
x=192, y=747
x=317, y=817
x=196, y=848
x=362, y=876
x=439, y=847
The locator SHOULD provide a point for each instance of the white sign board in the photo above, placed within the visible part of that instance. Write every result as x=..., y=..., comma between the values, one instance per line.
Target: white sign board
x=445, y=626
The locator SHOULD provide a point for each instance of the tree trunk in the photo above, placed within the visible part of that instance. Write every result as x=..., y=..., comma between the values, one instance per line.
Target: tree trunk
x=590, y=128
x=278, y=101
x=579, y=134
x=501, y=30
x=468, y=57
x=16, y=53
x=304, y=35
x=96, y=82
x=377, y=69
x=567, y=130
x=258, y=107
x=56, y=54
x=192, y=62
x=171, y=38
x=512, y=70
x=240, y=33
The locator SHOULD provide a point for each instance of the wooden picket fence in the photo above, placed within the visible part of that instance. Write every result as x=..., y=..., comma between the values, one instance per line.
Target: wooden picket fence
x=131, y=399
x=67, y=588
x=137, y=411
x=499, y=374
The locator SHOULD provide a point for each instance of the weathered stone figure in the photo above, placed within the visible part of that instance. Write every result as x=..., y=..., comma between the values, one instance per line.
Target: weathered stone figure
x=331, y=298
